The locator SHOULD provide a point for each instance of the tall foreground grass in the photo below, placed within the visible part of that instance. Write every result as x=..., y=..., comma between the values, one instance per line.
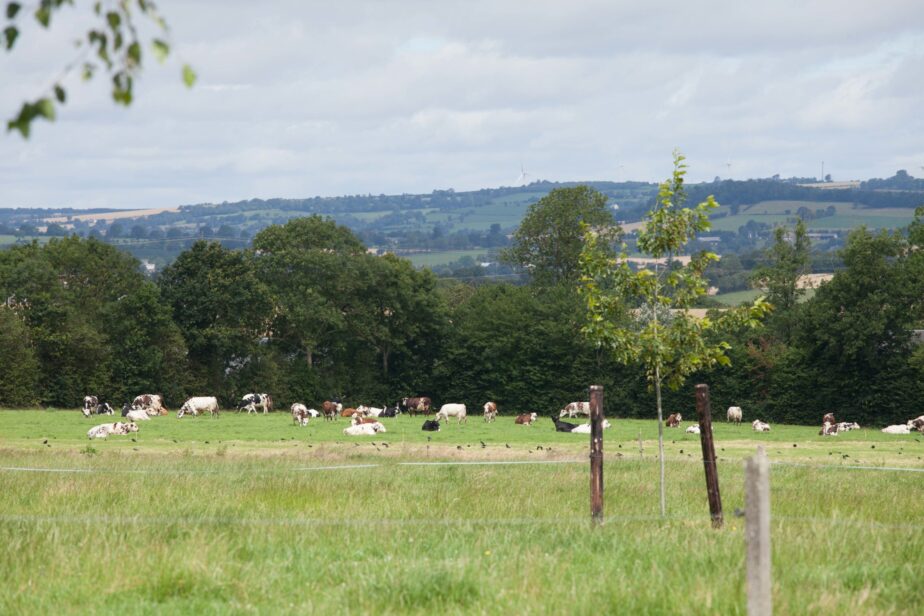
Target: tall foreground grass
x=247, y=527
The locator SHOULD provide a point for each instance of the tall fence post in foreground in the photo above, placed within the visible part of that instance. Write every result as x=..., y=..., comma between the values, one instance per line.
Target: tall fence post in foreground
x=704, y=411
x=757, y=533
x=596, y=453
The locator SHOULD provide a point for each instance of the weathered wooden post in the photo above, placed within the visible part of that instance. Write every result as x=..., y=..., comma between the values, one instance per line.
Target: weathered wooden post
x=704, y=411
x=757, y=534
x=596, y=453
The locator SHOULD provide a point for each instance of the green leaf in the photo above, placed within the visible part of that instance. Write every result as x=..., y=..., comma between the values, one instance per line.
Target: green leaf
x=10, y=33
x=43, y=15
x=46, y=108
x=87, y=73
x=134, y=53
x=161, y=49
x=11, y=9
x=189, y=76
x=60, y=94
x=114, y=19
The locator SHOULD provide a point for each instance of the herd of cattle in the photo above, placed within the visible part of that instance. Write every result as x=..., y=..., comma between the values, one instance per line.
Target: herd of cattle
x=365, y=420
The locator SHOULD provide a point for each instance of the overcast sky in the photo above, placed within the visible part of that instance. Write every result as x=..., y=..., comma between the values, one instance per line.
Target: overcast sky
x=300, y=98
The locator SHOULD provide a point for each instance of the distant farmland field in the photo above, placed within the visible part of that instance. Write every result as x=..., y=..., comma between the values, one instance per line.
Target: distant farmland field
x=847, y=216
x=432, y=259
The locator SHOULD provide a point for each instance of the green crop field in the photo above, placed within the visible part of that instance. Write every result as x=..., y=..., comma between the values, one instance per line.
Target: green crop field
x=847, y=216
x=251, y=514
x=442, y=257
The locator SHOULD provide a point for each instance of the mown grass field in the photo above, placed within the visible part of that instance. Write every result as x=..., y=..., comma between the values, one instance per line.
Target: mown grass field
x=442, y=257
x=251, y=514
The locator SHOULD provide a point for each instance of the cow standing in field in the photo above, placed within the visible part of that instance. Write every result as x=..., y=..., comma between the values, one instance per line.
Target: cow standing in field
x=301, y=413
x=252, y=401
x=452, y=410
x=415, y=405
x=330, y=409
x=490, y=411
x=199, y=404
x=573, y=409
x=152, y=403
x=734, y=415
x=89, y=405
x=673, y=420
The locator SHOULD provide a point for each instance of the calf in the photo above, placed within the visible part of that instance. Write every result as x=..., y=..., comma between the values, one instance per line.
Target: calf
x=452, y=410
x=898, y=429
x=199, y=404
x=760, y=426
x=490, y=411
x=734, y=414
x=694, y=429
x=563, y=426
x=366, y=429
x=573, y=409
x=585, y=428
x=89, y=405
x=430, y=425
x=673, y=420
x=526, y=419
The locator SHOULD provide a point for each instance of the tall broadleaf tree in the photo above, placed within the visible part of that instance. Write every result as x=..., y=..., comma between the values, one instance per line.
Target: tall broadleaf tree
x=643, y=315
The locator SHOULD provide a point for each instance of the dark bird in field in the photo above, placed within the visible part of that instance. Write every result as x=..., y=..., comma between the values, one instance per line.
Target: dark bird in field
x=681, y=451
x=174, y=440
x=508, y=445
x=872, y=447
x=45, y=442
x=482, y=444
x=428, y=438
x=134, y=440
x=793, y=444
x=384, y=444
x=459, y=447
x=206, y=442
x=538, y=447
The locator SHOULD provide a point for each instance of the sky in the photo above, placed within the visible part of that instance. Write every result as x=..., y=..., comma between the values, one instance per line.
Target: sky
x=303, y=98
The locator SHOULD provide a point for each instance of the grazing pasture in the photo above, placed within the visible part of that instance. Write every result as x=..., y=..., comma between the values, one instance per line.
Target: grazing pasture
x=256, y=514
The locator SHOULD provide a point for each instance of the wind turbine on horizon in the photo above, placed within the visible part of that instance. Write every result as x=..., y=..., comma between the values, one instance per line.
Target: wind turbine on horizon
x=521, y=181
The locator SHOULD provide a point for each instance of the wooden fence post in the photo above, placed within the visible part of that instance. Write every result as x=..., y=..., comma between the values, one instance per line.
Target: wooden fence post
x=596, y=453
x=704, y=411
x=757, y=534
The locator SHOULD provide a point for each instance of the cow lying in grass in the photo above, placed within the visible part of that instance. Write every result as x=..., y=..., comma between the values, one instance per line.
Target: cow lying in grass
x=897, y=429
x=563, y=426
x=366, y=429
x=585, y=428
x=694, y=429
x=132, y=413
x=430, y=425
x=526, y=419
x=673, y=420
x=104, y=430
x=760, y=426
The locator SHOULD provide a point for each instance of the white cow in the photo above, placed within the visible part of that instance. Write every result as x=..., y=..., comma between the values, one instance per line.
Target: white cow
x=199, y=404
x=898, y=429
x=452, y=410
x=847, y=426
x=760, y=426
x=368, y=429
x=734, y=414
x=104, y=430
x=585, y=428
x=369, y=411
x=573, y=409
x=694, y=429
x=137, y=415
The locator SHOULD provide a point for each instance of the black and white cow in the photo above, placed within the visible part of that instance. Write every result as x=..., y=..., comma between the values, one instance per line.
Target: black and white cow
x=430, y=425
x=563, y=426
x=89, y=405
x=252, y=401
x=104, y=409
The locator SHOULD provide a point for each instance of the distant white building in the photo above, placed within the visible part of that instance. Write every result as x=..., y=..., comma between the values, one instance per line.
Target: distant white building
x=148, y=267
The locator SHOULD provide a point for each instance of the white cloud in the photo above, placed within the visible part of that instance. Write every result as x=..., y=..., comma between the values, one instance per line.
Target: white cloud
x=297, y=99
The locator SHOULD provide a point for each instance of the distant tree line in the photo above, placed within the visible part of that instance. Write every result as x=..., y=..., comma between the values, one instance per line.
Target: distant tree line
x=306, y=313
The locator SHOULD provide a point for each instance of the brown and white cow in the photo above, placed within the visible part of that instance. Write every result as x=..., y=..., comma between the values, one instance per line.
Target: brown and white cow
x=573, y=409
x=330, y=409
x=526, y=419
x=673, y=420
x=348, y=412
x=828, y=429
x=490, y=411
x=828, y=418
x=916, y=424
x=420, y=404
